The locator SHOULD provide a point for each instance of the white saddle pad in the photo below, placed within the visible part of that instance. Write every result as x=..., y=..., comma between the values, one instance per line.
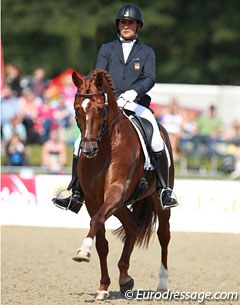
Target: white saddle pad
x=147, y=165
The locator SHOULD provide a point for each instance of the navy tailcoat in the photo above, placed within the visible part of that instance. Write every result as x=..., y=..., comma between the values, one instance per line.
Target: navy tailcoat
x=138, y=73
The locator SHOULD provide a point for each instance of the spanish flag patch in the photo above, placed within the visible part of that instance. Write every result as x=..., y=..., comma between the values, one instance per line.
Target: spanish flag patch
x=137, y=66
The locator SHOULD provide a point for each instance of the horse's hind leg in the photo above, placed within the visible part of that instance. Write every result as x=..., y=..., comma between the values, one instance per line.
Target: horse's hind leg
x=102, y=249
x=164, y=238
x=126, y=282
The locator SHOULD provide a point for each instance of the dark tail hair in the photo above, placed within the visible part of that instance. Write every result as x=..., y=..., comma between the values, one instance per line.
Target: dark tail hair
x=144, y=216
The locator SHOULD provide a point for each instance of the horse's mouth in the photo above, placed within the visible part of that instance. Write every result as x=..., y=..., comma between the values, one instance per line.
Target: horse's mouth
x=90, y=156
x=89, y=149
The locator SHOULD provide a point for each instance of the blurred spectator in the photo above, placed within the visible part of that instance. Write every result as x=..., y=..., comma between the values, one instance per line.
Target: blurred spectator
x=173, y=122
x=54, y=152
x=15, y=126
x=231, y=160
x=38, y=82
x=45, y=120
x=10, y=106
x=13, y=78
x=208, y=131
x=68, y=90
x=71, y=133
x=189, y=124
x=233, y=133
x=209, y=124
x=62, y=114
x=29, y=110
x=236, y=172
x=15, y=151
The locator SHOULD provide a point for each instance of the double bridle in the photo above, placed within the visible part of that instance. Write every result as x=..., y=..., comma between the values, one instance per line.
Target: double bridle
x=104, y=125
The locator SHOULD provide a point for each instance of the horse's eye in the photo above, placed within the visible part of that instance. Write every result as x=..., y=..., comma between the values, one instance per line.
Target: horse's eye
x=77, y=112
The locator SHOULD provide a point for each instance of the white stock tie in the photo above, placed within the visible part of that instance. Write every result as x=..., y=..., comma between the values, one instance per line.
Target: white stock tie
x=127, y=47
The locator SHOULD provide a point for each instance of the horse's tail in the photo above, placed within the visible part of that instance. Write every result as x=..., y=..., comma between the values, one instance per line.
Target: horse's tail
x=144, y=216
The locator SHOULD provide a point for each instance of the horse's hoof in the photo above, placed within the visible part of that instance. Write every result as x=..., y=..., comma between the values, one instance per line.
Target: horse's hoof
x=82, y=256
x=102, y=295
x=127, y=286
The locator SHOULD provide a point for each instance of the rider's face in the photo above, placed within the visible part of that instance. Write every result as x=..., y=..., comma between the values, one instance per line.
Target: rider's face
x=127, y=29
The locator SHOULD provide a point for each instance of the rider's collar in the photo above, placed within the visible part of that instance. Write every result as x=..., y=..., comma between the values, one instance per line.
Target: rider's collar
x=126, y=41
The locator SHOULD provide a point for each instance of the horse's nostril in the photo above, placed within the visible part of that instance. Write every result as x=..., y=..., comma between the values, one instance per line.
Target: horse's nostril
x=90, y=153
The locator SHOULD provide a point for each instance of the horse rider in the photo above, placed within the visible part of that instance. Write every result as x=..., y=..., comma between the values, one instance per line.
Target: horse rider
x=131, y=65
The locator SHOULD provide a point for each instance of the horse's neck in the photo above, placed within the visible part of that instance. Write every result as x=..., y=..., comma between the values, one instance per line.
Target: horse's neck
x=113, y=109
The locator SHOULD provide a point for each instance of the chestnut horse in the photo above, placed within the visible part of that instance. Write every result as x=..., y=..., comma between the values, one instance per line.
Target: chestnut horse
x=110, y=167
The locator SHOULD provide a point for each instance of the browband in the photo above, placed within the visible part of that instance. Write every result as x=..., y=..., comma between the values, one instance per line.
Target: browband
x=89, y=94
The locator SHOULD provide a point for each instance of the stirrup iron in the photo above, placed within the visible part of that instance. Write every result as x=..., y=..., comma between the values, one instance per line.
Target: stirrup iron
x=165, y=207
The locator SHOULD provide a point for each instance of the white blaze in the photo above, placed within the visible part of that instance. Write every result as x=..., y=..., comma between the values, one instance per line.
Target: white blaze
x=85, y=103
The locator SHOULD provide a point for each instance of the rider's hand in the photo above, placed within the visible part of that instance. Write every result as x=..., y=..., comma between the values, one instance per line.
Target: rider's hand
x=129, y=95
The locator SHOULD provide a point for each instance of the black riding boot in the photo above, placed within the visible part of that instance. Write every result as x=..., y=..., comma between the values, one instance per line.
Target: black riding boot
x=75, y=201
x=166, y=195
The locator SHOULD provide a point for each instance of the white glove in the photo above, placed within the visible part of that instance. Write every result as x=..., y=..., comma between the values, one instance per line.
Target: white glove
x=129, y=95
x=121, y=102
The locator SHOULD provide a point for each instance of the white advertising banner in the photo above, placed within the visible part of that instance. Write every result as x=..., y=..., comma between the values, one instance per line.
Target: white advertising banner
x=205, y=205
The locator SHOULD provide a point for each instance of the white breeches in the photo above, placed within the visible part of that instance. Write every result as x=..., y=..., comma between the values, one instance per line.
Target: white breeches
x=76, y=150
x=157, y=141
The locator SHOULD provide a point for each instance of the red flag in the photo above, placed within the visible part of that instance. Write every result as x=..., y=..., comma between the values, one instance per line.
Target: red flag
x=62, y=84
x=2, y=77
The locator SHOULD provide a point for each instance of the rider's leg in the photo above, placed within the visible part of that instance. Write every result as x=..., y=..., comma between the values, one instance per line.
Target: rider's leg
x=75, y=201
x=166, y=195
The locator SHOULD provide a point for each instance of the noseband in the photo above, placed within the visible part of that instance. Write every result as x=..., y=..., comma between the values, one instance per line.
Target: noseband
x=104, y=125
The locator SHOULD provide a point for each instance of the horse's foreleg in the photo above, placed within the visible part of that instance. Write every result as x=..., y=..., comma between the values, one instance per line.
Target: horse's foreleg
x=96, y=224
x=164, y=238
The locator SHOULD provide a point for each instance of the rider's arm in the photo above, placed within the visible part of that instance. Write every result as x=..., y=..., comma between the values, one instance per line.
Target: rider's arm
x=148, y=79
x=102, y=58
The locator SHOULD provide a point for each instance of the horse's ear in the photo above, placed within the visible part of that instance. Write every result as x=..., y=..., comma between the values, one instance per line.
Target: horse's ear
x=77, y=80
x=99, y=79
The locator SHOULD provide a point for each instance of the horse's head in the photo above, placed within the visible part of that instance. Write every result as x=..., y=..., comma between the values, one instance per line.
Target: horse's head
x=91, y=111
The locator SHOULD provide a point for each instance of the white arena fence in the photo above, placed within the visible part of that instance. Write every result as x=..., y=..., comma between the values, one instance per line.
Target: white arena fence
x=205, y=205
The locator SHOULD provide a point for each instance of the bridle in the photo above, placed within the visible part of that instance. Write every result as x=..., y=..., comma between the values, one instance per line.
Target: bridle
x=104, y=125
x=89, y=95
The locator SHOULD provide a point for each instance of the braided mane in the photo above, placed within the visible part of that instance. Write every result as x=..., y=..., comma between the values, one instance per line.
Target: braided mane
x=107, y=77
